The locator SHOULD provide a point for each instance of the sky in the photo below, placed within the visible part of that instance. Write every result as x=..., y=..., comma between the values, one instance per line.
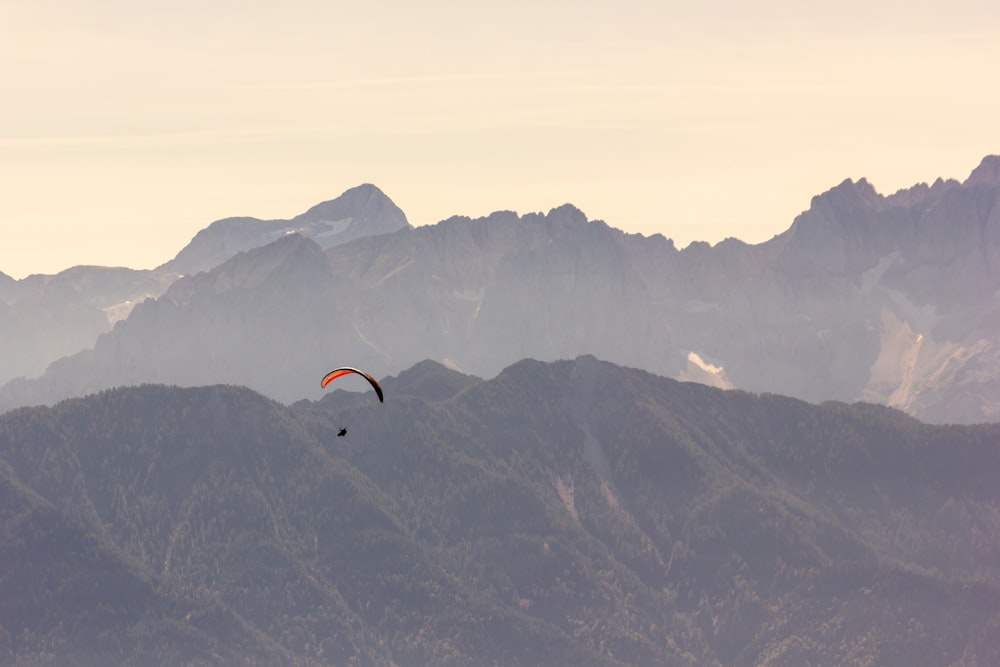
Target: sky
x=127, y=126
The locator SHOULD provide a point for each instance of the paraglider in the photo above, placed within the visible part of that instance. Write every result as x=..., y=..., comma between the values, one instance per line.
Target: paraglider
x=347, y=370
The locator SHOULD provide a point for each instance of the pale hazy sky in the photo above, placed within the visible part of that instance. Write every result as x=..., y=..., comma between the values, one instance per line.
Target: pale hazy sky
x=128, y=125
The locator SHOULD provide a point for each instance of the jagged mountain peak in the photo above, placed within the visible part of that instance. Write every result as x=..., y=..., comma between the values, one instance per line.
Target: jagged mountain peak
x=362, y=201
x=850, y=192
x=840, y=212
x=567, y=213
x=560, y=217
x=861, y=193
x=987, y=173
x=920, y=195
x=865, y=189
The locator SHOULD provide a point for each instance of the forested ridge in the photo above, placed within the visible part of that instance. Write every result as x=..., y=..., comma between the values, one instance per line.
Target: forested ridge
x=572, y=512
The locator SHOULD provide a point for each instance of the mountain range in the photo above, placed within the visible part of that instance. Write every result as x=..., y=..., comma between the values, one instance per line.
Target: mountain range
x=887, y=299
x=571, y=512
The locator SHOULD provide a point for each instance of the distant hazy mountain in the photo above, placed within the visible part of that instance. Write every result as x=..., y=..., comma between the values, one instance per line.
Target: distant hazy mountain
x=44, y=318
x=360, y=211
x=564, y=513
x=887, y=299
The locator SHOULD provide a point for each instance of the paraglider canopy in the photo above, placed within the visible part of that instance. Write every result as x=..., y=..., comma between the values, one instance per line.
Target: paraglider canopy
x=347, y=370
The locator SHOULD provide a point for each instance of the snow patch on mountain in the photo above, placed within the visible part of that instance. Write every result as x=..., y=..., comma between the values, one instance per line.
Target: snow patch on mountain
x=120, y=311
x=703, y=372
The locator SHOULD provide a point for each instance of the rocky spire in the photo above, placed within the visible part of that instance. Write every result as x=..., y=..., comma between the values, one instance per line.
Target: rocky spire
x=987, y=173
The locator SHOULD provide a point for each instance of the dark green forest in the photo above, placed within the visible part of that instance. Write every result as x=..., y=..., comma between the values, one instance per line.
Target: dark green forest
x=568, y=513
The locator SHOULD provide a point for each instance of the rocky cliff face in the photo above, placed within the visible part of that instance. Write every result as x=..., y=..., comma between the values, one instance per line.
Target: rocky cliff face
x=919, y=275
x=479, y=294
